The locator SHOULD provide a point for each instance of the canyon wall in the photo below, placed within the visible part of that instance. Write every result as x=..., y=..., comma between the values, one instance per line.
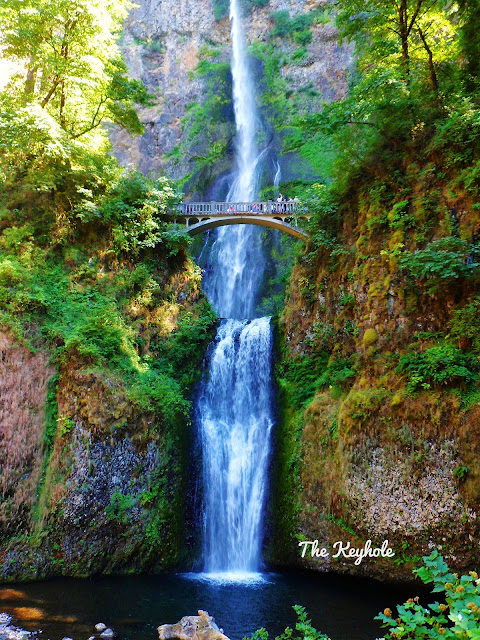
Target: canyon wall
x=95, y=461
x=378, y=363
x=164, y=43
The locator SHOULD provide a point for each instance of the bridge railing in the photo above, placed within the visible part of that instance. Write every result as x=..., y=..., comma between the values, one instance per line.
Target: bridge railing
x=231, y=208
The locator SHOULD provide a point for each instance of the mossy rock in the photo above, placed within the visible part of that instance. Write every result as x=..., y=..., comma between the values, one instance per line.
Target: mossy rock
x=370, y=337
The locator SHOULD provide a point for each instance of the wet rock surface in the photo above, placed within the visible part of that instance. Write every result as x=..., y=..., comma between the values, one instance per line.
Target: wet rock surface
x=200, y=627
x=9, y=631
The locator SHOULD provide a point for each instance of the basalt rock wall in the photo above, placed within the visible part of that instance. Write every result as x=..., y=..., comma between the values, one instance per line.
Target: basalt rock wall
x=164, y=42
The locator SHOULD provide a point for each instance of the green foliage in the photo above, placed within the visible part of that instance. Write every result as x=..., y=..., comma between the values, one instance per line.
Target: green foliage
x=340, y=372
x=398, y=217
x=465, y=323
x=342, y=524
x=44, y=173
x=281, y=258
x=461, y=472
x=406, y=89
x=179, y=356
x=456, y=617
x=299, y=377
x=470, y=40
x=257, y=3
x=208, y=124
x=51, y=415
x=135, y=209
x=303, y=626
x=322, y=202
x=220, y=8
x=65, y=426
x=297, y=28
x=78, y=315
x=442, y=364
x=74, y=69
x=441, y=260
x=119, y=508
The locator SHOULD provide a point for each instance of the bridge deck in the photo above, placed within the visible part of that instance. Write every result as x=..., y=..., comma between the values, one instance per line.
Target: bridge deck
x=201, y=216
x=244, y=208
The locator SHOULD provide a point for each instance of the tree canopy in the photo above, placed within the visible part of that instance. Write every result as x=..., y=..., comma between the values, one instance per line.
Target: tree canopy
x=70, y=64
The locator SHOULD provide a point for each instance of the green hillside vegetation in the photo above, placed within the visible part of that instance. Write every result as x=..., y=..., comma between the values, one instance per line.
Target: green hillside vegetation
x=93, y=276
x=456, y=617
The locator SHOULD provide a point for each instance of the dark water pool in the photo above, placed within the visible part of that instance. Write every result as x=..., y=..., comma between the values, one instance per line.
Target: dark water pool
x=342, y=607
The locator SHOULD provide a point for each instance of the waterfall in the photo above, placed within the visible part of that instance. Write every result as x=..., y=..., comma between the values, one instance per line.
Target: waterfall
x=234, y=412
x=233, y=284
x=236, y=424
x=276, y=179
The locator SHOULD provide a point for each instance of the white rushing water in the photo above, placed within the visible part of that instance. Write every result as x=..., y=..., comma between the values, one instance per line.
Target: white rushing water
x=233, y=285
x=276, y=179
x=234, y=409
x=236, y=424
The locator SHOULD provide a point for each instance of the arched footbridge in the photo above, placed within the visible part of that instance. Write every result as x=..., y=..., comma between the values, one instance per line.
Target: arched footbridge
x=200, y=216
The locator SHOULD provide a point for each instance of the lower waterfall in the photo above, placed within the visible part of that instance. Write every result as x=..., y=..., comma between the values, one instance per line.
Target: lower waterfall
x=235, y=423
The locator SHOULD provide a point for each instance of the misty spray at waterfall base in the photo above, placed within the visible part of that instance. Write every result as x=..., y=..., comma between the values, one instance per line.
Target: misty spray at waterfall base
x=234, y=407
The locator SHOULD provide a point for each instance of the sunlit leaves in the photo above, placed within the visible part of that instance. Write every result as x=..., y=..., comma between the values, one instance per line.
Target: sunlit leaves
x=70, y=63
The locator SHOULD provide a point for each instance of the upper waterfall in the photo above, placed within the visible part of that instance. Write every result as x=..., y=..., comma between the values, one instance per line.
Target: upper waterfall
x=232, y=286
x=245, y=184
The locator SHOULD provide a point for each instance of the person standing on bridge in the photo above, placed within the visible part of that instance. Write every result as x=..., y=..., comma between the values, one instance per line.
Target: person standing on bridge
x=279, y=202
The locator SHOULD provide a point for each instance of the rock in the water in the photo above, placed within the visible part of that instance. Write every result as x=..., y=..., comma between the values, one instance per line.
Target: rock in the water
x=8, y=632
x=67, y=638
x=100, y=627
x=108, y=633
x=201, y=627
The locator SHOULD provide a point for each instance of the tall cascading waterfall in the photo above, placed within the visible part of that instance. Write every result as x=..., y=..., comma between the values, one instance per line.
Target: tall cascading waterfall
x=233, y=285
x=234, y=408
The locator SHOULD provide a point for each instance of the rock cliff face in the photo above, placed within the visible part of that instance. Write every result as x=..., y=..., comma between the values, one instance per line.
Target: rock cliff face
x=22, y=421
x=378, y=453
x=164, y=42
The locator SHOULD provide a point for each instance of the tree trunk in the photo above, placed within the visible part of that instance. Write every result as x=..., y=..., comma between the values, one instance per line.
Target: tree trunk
x=29, y=88
x=403, y=31
x=431, y=66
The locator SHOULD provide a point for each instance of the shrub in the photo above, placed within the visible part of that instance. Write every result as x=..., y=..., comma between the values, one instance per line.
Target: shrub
x=466, y=323
x=300, y=377
x=220, y=8
x=135, y=210
x=303, y=626
x=296, y=28
x=442, y=364
x=340, y=372
x=458, y=616
x=440, y=261
x=120, y=505
x=322, y=202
